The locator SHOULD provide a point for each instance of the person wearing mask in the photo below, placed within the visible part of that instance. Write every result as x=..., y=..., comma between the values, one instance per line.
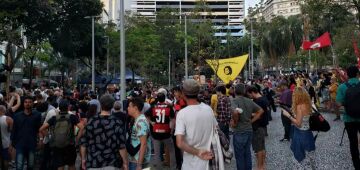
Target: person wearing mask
x=352, y=125
x=303, y=142
x=25, y=134
x=139, y=143
x=244, y=113
x=259, y=127
x=102, y=145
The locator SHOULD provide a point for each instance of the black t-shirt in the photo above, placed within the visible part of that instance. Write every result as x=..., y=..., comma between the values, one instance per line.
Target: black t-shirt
x=123, y=117
x=264, y=119
x=160, y=114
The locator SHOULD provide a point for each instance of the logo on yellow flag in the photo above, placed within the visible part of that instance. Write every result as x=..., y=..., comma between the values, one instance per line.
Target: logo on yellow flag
x=228, y=69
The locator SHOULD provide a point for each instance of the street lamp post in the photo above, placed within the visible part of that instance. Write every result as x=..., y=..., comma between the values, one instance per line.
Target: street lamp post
x=252, y=50
x=122, y=52
x=92, y=51
x=169, y=74
x=186, y=52
x=107, y=55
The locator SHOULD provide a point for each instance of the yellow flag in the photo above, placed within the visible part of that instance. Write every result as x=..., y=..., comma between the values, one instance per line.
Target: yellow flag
x=228, y=69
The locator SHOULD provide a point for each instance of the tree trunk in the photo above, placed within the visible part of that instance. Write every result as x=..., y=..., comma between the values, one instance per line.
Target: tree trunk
x=7, y=61
x=31, y=71
x=62, y=79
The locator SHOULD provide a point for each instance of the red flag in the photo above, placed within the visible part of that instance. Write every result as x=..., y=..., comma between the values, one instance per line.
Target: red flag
x=306, y=45
x=356, y=50
x=321, y=42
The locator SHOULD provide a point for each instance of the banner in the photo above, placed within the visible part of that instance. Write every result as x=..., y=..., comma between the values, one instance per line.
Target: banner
x=321, y=42
x=228, y=69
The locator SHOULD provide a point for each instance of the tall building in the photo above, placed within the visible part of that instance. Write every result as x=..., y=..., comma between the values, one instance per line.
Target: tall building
x=226, y=15
x=111, y=10
x=286, y=8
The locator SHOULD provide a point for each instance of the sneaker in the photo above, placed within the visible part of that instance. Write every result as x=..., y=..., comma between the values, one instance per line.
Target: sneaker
x=284, y=140
x=12, y=164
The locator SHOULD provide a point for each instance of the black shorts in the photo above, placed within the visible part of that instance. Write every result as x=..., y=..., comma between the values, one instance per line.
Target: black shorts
x=64, y=156
x=258, y=140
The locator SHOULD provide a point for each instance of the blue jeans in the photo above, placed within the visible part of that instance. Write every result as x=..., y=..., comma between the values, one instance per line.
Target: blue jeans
x=132, y=165
x=21, y=155
x=242, y=149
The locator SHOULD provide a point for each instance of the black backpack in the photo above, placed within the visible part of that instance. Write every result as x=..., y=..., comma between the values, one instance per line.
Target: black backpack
x=352, y=100
x=318, y=122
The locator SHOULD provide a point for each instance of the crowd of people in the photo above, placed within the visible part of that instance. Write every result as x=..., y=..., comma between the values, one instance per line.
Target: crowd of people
x=49, y=128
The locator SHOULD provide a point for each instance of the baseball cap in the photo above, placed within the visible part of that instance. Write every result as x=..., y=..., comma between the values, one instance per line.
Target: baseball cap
x=163, y=91
x=191, y=87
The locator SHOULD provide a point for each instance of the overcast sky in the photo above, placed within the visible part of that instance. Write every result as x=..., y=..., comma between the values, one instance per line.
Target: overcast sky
x=127, y=4
x=250, y=3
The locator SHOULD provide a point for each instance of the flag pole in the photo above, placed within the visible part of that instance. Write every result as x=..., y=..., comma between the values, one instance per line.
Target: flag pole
x=333, y=56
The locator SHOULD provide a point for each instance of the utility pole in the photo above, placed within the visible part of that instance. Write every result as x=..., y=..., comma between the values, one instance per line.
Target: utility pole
x=169, y=74
x=107, y=55
x=122, y=52
x=252, y=50
x=92, y=51
x=186, y=52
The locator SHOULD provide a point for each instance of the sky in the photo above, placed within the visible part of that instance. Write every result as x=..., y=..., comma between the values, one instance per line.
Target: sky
x=250, y=3
x=127, y=4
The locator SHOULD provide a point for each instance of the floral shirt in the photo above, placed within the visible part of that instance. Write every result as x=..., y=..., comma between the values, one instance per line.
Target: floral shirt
x=140, y=128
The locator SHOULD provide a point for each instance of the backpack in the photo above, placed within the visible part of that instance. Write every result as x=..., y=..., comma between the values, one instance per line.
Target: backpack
x=352, y=100
x=318, y=122
x=62, y=135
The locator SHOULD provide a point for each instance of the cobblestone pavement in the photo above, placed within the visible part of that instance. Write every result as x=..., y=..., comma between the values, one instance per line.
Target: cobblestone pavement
x=329, y=155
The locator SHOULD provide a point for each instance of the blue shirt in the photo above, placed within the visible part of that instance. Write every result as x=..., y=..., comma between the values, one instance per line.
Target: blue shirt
x=25, y=130
x=340, y=98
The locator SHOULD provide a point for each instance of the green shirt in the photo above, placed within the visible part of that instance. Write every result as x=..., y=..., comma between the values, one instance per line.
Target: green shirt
x=340, y=98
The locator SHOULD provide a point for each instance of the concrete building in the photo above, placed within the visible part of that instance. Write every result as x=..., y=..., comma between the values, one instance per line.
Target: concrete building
x=111, y=10
x=226, y=15
x=286, y=8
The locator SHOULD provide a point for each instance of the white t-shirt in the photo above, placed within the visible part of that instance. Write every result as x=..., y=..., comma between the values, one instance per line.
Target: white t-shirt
x=196, y=123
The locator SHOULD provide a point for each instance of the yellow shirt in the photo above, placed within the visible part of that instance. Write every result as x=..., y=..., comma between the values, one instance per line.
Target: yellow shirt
x=214, y=102
x=332, y=89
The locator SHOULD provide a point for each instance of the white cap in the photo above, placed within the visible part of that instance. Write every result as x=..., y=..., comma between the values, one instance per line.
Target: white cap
x=162, y=90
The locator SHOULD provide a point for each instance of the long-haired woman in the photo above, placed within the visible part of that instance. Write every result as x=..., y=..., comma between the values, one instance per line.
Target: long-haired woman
x=302, y=143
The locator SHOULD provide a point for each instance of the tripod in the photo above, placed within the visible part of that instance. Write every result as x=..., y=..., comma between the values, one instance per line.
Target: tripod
x=341, y=142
